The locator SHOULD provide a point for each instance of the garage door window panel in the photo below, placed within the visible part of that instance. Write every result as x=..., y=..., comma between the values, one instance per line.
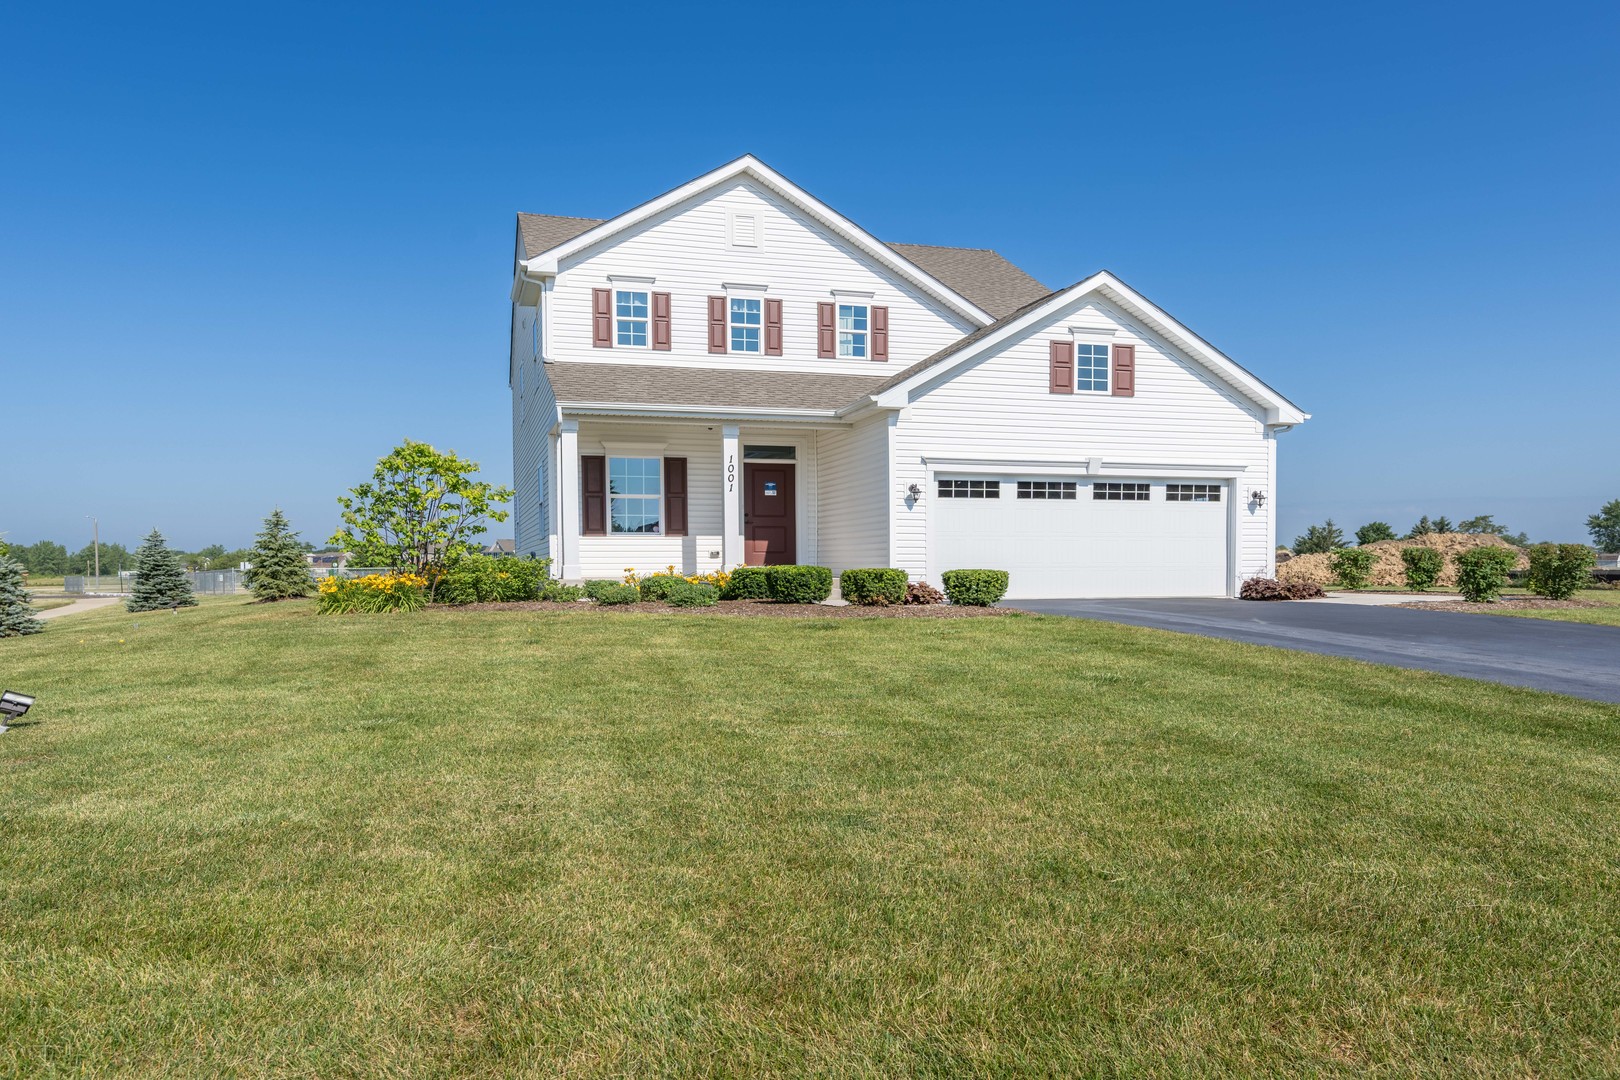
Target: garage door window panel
x=1204, y=493
x=1115, y=492
x=1048, y=489
x=970, y=489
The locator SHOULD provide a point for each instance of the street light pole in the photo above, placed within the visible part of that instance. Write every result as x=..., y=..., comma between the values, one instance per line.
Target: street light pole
x=95, y=539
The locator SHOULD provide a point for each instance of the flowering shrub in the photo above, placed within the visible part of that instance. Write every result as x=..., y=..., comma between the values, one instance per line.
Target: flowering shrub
x=718, y=578
x=372, y=593
x=482, y=579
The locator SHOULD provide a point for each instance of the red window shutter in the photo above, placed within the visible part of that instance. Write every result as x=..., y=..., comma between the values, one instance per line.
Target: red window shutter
x=717, y=324
x=826, y=336
x=602, y=318
x=1062, y=373
x=660, y=321
x=1124, y=380
x=773, y=327
x=593, y=494
x=675, y=496
x=880, y=333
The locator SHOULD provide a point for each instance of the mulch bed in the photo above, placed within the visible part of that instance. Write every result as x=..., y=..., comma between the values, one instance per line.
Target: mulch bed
x=1509, y=603
x=765, y=608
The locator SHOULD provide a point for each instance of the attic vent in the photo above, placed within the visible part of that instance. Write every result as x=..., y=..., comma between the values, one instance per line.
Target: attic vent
x=744, y=230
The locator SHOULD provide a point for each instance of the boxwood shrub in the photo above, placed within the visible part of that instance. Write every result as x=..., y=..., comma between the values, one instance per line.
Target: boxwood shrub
x=747, y=583
x=657, y=586
x=799, y=584
x=876, y=585
x=612, y=592
x=690, y=594
x=975, y=588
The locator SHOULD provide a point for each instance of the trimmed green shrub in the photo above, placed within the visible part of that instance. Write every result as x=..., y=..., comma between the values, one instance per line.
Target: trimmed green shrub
x=613, y=592
x=657, y=586
x=975, y=588
x=920, y=592
x=1352, y=567
x=1422, y=566
x=875, y=586
x=691, y=594
x=1557, y=570
x=593, y=588
x=559, y=593
x=799, y=584
x=1482, y=571
x=748, y=583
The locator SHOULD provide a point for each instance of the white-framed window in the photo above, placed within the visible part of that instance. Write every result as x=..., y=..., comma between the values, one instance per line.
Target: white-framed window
x=1192, y=493
x=1112, y=492
x=1048, y=489
x=635, y=494
x=1091, y=368
x=854, y=330
x=746, y=320
x=970, y=489
x=632, y=312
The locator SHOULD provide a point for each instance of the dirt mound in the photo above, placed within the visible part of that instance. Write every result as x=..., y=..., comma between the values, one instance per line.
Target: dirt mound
x=1388, y=571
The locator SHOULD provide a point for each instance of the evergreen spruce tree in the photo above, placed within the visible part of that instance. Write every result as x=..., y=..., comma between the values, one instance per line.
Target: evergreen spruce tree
x=16, y=616
x=159, y=581
x=279, y=570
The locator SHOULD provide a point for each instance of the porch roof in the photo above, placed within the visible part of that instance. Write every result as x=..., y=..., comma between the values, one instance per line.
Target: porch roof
x=646, y=385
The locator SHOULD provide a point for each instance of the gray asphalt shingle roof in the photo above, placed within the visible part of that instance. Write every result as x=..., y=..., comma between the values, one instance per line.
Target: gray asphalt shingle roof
x=979, y=274
x=704, y=388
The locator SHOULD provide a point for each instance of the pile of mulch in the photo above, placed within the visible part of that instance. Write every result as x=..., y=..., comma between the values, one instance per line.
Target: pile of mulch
x=1506, y=603
x=745, y=608
x=1388, y=571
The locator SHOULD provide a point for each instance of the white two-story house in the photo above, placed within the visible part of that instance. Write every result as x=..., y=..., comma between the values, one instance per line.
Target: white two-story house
x=735, y=373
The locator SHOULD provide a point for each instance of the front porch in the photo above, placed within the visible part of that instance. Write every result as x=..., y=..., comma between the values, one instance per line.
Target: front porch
x=697, y=495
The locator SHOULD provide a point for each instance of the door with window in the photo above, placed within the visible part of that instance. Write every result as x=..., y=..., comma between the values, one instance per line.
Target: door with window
x=770, y=532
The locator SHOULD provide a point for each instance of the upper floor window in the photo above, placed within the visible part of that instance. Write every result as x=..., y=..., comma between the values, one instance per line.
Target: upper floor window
x=1091, y=367
x=747, y=322
x=854, y=324
x=632, y=310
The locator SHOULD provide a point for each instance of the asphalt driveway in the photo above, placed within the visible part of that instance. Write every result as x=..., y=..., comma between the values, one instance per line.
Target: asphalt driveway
x=1567, y=658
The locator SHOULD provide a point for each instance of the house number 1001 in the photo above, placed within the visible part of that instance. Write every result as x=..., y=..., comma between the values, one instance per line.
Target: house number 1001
x=731, y=473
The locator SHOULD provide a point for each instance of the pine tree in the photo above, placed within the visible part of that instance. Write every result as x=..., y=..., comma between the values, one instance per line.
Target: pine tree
x=159, y=581
x=16, y=616
x=279, y=570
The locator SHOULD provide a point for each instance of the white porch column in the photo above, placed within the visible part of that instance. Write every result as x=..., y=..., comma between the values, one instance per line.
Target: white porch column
x=568, y=500
x=731, y=536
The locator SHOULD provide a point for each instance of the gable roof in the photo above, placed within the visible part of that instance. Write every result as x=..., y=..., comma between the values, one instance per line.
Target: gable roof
x=1279, y=410
x=994, y=279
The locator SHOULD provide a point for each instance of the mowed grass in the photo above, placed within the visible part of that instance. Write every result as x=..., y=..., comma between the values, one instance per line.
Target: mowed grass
x=1608, y=614
x=250, y=840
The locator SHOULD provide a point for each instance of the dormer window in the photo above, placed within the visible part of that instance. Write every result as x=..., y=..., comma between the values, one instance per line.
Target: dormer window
x=854, y=326
x=632, y=312
x=746, y=324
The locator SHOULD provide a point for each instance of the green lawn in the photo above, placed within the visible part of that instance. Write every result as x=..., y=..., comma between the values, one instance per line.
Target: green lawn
x=249, y=840
x=1607, y=615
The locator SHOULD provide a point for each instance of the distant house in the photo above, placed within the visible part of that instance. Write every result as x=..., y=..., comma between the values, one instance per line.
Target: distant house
x=324, y=561
x=502, y=547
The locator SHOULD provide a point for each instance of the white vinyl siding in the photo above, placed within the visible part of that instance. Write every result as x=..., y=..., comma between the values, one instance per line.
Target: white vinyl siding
x=852, y=495
x=534, y=411
x=689, y=251
x=1000, y=408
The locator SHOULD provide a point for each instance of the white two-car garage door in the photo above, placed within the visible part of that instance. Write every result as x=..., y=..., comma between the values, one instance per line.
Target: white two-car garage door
x=1084, y=536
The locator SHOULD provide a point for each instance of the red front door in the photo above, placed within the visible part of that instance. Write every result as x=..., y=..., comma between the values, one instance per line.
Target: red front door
x=769, y=533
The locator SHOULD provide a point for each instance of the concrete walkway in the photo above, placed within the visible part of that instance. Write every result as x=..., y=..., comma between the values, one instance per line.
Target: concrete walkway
x=89, y=603
x=1566, y=658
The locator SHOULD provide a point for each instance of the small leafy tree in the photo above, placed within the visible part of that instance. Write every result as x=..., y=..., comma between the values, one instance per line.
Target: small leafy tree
x=1373, y=532
x=1319, y=539
x=1424, y=527
x=159, y=580
x=16, y=614
x=1352, y=567
x=1605, y=527
x=1557, y=570
x=1482, y=571
x=279, y=570
x=420, y=508
x=1422, y=566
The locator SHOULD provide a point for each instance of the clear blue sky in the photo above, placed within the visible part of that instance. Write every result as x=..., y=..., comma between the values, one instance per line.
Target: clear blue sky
x=246, y=249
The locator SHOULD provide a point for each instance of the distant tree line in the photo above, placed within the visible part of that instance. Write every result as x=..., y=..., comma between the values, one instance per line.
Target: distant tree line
x=47, y=558
x=1327, y=537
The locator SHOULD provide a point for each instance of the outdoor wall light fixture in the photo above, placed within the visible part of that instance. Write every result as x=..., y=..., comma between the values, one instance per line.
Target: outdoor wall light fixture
x=13, y=705
x=1258, y=498
x=914, y=491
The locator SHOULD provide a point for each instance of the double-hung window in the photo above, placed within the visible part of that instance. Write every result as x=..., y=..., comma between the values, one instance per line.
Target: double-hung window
x=747, y=320
x=854, y=326
x=631, y=309
x=1091, y=367
x=635, y=494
